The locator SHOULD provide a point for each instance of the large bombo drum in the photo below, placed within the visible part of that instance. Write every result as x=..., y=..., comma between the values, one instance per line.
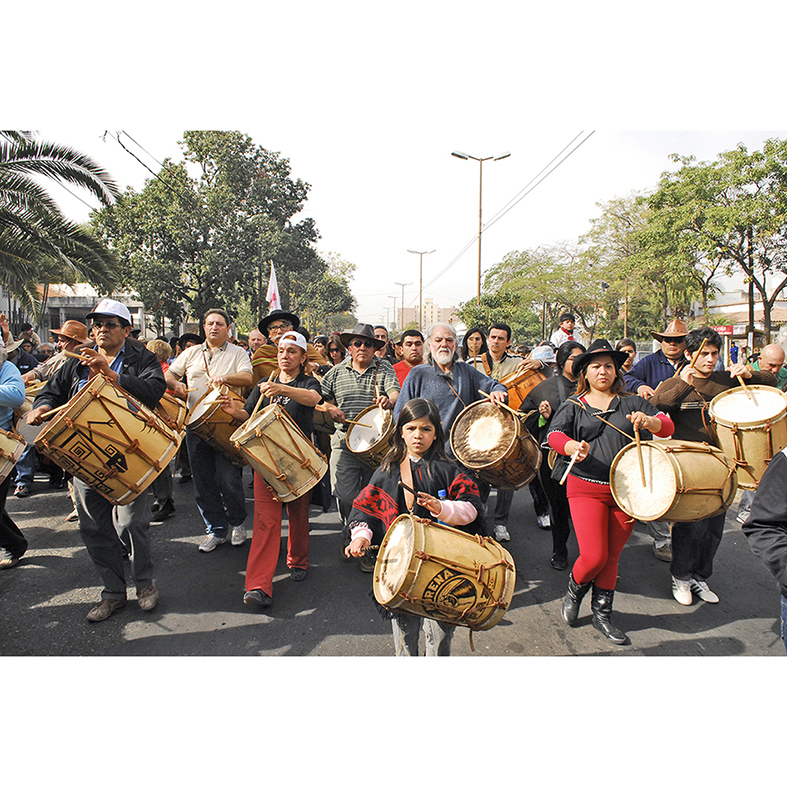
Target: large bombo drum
x=370, y=437
x=109, y=440
x=11, y=449
x=684, y=481
x=215, y=426
x=750, y=431
x=280, y=452
x=438, y=572
x=496, y=445
x=172, y=410
x=28, y=432
x=520, y=384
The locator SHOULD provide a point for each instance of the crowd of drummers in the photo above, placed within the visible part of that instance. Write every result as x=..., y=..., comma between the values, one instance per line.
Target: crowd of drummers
x=412, y=432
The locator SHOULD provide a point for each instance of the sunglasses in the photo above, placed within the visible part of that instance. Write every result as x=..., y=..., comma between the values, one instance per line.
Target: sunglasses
x=281, y=326
x=359, y=343
x=334, y=350
x=110, y=325
x=675, y=340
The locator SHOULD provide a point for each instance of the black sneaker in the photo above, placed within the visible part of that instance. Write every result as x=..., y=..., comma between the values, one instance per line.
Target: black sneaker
x=165, y=511
x=185, y=479
x=297, y=574
x=257, y=598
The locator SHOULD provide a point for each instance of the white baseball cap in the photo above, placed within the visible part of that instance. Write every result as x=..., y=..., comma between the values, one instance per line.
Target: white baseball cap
x=109, y=307
x=293, y=337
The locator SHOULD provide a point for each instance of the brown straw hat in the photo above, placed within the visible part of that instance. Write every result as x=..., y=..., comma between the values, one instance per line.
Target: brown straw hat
x=675, y=329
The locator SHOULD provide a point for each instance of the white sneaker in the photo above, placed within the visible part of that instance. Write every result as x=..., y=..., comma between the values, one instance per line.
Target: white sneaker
x=501, y=534
x=682, y=592
x=238, y=536
x=211, y=542
x=543, y=522
x=702, y=590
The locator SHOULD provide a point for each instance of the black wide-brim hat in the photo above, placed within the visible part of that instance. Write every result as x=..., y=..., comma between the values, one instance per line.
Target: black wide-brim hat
x=598, y=347
x=278, y=314
x=361, y=331
x=190, y=337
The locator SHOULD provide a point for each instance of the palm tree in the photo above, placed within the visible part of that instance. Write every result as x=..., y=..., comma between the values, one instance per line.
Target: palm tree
x=37, y=243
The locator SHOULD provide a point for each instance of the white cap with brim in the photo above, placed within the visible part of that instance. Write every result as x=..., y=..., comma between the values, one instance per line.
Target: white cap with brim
x=107, y=307
x=293, y=337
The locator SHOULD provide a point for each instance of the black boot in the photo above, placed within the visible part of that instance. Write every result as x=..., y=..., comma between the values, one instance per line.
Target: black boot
x=573, y=599
x=601, y=605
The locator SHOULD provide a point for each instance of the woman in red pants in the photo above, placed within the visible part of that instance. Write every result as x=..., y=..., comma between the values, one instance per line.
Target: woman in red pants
x=588, y=426
x=298, y=394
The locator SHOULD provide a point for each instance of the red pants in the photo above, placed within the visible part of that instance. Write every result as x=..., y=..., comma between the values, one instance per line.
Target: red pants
x=266, y=537
x=602, y=531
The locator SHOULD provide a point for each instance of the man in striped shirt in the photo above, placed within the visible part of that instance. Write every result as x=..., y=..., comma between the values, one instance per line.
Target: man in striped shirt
x=358, y=382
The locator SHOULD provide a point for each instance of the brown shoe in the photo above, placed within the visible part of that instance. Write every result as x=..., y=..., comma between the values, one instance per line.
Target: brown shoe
x=105, y=608
x=663, y=552
x=147, y=598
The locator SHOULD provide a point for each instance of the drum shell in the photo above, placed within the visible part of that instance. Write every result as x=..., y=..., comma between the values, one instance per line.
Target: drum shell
x=11, y=448
x=452, y=577
x=214, y=425
x=686, y=481
x=110, y=440
x=280, y=452
x=513, y=463
x=26, y=431
x=173, y=409
x=749, y=442
x=375, y=453
x=520, y=384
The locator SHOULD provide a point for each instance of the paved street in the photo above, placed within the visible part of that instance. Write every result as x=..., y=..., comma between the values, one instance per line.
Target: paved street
x=44, y=600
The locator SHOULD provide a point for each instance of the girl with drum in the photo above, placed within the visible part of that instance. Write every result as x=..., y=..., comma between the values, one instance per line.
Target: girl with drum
x=298, y=394
x=444, y=492
x=591, y=427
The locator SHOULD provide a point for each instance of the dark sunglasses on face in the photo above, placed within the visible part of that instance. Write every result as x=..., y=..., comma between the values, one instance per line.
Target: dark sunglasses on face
x=359, y=343
x=334, y=350
x=678, y=340
x=110, y=325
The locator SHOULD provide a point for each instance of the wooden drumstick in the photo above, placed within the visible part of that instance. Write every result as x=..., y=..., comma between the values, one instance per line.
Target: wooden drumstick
x=69, y=354
x=54, y=411
x=259, y=401
x=570, y=465
x=358, y=423
x=745, y=389
x=639, y=454
x=500, y=404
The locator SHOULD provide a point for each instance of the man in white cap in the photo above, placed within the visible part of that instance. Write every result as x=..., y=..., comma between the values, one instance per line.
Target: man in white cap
x=218, y=483
x=137, y=371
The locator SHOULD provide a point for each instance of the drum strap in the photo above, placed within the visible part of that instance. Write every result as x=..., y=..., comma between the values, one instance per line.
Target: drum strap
x=485, y=362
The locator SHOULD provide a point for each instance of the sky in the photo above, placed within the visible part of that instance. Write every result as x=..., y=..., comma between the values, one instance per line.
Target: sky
x=367, y=101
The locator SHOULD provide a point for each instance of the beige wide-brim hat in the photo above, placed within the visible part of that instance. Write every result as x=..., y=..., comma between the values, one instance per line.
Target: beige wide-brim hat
x=675, y=330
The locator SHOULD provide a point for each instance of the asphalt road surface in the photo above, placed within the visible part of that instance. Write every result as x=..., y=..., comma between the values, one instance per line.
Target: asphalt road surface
x=43, y=601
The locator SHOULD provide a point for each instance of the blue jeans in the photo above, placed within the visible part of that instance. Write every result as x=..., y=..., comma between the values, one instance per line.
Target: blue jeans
x=26, y=467
x=784, y=622
x=218, y=487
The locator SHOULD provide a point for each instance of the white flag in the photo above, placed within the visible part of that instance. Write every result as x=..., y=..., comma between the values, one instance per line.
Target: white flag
x=272, y=296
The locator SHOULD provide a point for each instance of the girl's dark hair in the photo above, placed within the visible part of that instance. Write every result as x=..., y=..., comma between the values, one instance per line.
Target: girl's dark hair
x=618, y=386
x=564, y=351
x=625, y=343
x=463, y=353
x=413, y=410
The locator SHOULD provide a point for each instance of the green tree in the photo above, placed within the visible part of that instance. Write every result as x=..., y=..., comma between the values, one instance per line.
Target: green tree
x=204, y=231
x=37, y=243
x=731, y=212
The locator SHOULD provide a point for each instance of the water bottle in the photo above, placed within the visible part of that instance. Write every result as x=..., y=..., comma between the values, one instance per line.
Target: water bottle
x=442, y=495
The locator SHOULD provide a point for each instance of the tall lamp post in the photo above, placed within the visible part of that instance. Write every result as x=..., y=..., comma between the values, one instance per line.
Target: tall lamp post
x=399, y=284
x=394, y=310
x=480, y=161
x=420, y=286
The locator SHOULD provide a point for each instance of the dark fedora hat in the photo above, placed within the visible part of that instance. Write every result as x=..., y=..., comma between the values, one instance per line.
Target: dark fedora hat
x=278, y=314
x=361, y=331
x=598, y=347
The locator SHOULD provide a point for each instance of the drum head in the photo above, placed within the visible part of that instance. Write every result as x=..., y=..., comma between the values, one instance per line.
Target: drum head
x=361, y=438
x=394, y=559
x=650, y=501
x=204, y=406
x=482, y=434
x=735, y=407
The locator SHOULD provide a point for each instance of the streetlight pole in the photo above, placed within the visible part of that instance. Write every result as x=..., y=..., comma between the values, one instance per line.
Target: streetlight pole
x=394, y=310
x=420, y=286
x=399, y=284
x=480, y=161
